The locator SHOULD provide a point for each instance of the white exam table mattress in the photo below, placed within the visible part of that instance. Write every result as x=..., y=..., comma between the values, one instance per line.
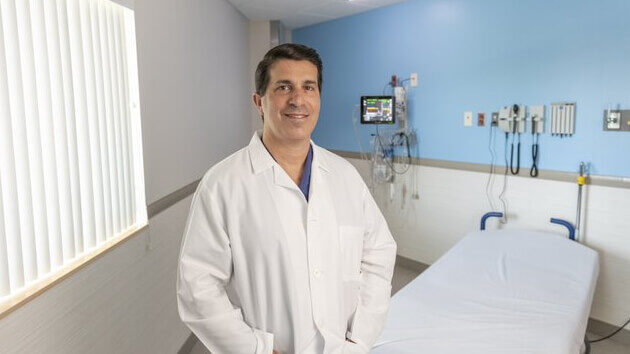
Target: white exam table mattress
x=497, y=292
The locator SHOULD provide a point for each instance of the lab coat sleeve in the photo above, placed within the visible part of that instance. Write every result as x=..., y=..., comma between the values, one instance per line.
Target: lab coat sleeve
x=377, y=267
x=205, y=266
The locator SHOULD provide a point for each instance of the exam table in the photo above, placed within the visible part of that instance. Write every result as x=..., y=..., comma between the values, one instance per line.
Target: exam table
x=497, y=292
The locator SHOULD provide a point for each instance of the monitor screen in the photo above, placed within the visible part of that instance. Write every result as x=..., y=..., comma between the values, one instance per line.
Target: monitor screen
x=377, y=110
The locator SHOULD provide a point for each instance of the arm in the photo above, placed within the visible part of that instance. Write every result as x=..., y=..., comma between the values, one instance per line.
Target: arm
x=205, y=266
x=377, y=267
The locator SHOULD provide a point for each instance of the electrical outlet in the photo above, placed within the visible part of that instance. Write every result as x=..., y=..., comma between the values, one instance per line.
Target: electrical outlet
x=495, y=119
x=481, y=119
x=413, y=80
x=468, y=119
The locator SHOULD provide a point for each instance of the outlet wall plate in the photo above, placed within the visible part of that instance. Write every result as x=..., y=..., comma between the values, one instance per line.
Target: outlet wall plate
x=413, y=80
x=468, y=119
x=481, y=119
x=495, y=119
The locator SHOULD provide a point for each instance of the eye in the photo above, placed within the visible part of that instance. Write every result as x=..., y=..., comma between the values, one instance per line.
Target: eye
x=310, y=88
x=283, y=88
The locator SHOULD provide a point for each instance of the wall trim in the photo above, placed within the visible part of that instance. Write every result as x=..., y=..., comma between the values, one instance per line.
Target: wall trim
x=188, y=345
x=171, y=199
x=602, y=328
x=596, y=180
x=411, y=264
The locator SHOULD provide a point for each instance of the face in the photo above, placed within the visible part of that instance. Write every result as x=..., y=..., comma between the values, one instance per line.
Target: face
x=290, y=105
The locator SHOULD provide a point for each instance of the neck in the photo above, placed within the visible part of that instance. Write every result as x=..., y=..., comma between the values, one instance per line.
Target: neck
x=290, y=155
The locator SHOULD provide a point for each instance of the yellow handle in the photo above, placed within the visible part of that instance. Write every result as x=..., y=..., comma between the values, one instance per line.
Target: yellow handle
x=581, y=180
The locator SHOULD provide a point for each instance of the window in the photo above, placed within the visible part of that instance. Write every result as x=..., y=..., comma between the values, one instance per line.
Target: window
x=71, y=172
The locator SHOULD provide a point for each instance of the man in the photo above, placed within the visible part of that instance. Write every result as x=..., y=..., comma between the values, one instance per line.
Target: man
x=285, y=250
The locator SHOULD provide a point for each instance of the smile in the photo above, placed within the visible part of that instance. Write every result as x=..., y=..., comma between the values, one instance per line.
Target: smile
x=296, y=115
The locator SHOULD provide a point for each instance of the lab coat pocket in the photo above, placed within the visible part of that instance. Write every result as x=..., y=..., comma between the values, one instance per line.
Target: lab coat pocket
x=351, y=246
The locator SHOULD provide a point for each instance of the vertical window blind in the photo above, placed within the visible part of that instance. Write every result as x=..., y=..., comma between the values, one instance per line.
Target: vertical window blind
x=71, y=172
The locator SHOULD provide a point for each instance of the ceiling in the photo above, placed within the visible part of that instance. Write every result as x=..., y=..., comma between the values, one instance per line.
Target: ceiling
x=300, y=13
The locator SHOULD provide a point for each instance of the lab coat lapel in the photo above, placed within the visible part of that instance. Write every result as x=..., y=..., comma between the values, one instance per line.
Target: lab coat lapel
x=281, y=178
x=319, y=193
x=262, y=160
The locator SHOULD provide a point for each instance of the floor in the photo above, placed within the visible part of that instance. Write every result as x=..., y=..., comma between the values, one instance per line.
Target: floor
x=403, y=275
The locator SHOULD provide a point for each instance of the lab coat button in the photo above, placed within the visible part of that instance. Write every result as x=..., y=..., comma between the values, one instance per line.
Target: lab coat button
x=317, y=273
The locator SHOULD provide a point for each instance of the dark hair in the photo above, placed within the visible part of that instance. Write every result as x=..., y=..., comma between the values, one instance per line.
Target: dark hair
x=286, y=51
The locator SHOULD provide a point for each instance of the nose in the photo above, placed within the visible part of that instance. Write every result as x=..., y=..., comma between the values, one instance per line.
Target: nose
x=296, y=99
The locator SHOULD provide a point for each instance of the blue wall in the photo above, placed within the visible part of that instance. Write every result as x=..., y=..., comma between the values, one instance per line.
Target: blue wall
x=479, y=55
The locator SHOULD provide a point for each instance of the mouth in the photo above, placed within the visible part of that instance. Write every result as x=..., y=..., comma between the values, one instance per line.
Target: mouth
x=296, y=116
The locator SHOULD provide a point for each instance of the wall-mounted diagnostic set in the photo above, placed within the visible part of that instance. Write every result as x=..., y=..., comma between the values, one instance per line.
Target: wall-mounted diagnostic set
x=513, y=121
x=562, y=119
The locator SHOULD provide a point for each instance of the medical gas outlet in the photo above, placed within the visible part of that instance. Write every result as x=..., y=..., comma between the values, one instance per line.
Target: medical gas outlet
x=617, y=120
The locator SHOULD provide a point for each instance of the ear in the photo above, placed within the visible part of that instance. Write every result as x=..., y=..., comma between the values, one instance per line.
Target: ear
x=258, y=103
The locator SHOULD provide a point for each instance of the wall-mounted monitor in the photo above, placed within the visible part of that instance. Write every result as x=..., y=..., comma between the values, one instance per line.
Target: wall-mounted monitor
x=377, y=110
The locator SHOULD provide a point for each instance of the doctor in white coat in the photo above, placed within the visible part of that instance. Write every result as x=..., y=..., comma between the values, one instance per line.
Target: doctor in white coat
x=285, y=250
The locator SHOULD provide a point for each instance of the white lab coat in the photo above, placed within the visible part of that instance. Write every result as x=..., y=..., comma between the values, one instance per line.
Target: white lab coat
x=261, y=268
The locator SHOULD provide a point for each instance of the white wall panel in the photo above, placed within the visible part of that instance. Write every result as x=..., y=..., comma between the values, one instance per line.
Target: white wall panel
x=452, y=202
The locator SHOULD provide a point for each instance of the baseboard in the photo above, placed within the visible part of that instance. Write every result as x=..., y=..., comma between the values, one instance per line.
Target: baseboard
x=602, y=328
x=411, y=264
x=188, y=344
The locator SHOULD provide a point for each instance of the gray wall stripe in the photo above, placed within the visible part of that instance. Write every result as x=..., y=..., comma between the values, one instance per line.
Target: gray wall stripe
x=171, y=199
x=188, y=345
x=606, y=181
x=602, y=328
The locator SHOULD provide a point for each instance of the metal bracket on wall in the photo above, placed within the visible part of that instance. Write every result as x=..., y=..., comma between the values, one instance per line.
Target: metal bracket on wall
x=617, y=120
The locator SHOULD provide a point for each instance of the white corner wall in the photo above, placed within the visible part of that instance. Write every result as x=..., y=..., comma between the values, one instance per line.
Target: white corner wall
x=259, y=44
x=452, y=202
x=193, y=62
x=194, y=88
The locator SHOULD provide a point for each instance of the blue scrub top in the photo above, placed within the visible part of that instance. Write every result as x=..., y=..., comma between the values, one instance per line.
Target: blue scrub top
x=305, y=182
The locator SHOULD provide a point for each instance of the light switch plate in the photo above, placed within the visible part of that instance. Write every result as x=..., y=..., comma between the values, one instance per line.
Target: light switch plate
x=413, y=80
x=468, y=119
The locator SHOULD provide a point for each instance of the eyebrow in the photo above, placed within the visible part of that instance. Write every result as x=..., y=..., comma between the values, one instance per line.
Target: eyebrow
x=307, y=82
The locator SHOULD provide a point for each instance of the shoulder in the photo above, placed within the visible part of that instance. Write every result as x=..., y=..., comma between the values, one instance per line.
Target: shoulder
x=229, y=170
